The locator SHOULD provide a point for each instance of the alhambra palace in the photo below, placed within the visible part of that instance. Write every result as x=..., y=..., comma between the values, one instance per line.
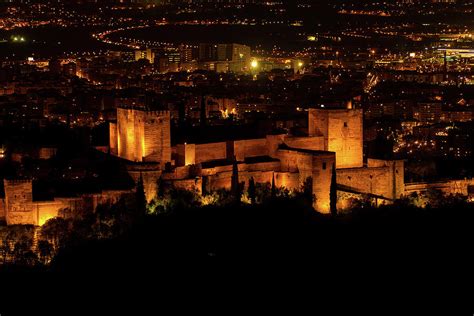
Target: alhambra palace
x=142, y=139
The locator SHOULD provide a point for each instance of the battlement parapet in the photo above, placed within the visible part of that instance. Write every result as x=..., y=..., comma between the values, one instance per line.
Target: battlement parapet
x=11, y=182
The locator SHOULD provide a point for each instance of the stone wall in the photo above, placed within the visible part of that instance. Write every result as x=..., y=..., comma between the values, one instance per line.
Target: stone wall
x=212, y=151
x=20, y=209
x=310, y=143
x=382, y=178
x=463, y=187
x=250, y=148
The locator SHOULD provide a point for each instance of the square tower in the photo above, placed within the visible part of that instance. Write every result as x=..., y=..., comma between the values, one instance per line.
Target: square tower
x=142, y=136
x=342, y=130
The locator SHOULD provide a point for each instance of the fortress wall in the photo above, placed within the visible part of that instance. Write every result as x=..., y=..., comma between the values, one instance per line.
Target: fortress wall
x=367, y=180
x=290, y=181
x=380, y=181
x=264, y=166
x=250, y=148
x=45, y=211
x=189, y=184
x=223, y=180
x=291, y=161
x=447, y=187
x=273, y=143
x=213, y=151
x=397, y=174
x=255, y=167
x=310, y=143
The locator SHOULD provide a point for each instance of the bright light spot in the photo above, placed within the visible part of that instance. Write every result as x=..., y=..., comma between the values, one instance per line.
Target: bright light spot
x=254, y=63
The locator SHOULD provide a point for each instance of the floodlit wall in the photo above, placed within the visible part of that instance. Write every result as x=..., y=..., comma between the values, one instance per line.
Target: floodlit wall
x=310, y=143
x=250, y=148
x=209, y=152
x=20, y=209
x=382, y=178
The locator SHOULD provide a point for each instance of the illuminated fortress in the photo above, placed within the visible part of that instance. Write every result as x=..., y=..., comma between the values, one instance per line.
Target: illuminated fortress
x=142, y=137
x=335, y=138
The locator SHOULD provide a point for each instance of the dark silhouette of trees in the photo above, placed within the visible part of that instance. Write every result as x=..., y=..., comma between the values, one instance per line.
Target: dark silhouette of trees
x=160, y=188
x=140, y=198
x=252, y=191
x=236, y=192
x=274, y=190
x=307, y=191
x=45, y=251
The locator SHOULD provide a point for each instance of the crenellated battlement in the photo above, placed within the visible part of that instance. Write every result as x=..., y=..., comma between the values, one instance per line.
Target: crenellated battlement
x=144, y=110
x=13, y=182
x=159, y=113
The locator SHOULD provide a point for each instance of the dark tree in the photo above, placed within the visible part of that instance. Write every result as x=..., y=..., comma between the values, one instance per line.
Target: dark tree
x=274, y=191
x=235, y=185
x=45, y=250
x=333, y=192
x=252, y=191
x=308, y=190
x=140, y=198
x=160, y=188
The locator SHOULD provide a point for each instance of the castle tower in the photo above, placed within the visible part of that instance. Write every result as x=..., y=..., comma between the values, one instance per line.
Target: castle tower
x=142, y=136
x=342, y=130
x=19, y=202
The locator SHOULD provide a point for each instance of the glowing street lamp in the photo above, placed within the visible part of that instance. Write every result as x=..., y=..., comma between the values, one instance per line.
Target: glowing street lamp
x=254, y=64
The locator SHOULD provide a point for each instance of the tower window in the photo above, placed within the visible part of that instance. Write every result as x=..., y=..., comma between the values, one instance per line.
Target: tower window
x=324, y=166
x=345, y=124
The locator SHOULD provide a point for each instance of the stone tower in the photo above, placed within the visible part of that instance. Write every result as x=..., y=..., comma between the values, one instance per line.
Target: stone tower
x=141, y=135
x=342, y=130
x=19, y=202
